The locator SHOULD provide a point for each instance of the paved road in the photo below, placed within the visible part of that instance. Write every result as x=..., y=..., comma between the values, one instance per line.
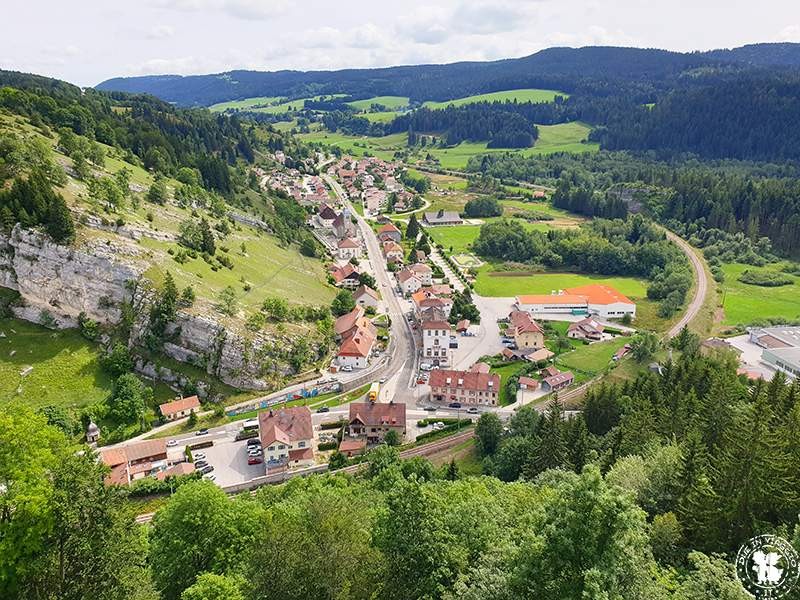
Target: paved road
x=402, y=365
x=701, y=289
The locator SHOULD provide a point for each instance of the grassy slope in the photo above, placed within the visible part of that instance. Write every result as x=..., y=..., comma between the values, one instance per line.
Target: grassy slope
x=592, y=358
x=66, y=369
x=273, y=109
x=524, y=95
x=246, y=103
x=745, y=303
x=393, y=102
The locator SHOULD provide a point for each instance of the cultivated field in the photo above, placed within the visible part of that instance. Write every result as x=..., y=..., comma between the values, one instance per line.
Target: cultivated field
x=524, y=95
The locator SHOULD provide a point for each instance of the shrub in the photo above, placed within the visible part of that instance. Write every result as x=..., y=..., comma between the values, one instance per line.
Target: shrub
x=327, y=446
x=764, y=278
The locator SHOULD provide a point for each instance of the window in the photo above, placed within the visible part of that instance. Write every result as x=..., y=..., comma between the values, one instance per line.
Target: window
x=271, y=448
x=301, y=444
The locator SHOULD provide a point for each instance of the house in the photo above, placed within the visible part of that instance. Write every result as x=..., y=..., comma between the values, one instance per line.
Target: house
x=462, y=326
x=436, y=342
x=550, y=371
x=390, y=232
x=348, y=248
x=526, y=332
x=353, y=447
x=619, y=354
x=423, y=272
x=346, y=276
x=135, y=461
x=712, y=345
x=595, y=299
x=365, y=297
x=392, y=251
x=345, y=324
x=182, y=468
x=342, y=227
x=355, y=349
x=442, y=217
x=373, y=420
x=287, y=436
x=409, y=282
x=432, y=302
x=465, y=387
x=177, y=409
x=585, y=329
x=554, y=383
x=326, y=216
x=419, y=256
x=528, y=383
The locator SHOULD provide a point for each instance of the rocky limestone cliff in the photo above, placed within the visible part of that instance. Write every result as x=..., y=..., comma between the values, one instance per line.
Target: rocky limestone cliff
x=64, y=281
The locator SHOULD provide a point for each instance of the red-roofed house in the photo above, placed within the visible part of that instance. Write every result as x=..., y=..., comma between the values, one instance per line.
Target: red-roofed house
x=390, y=232
x=356, y=348
x=287, y=436
x=353, y=447
x=526, y=331
x=346, y=276
x=392, y=251
x=367, y=297
x=408, y=280
x=585, y=329
x=135, y=461
x=373, y=420
x=557, y=382
x=177, y=409
x=466, y=387
x=423, y=272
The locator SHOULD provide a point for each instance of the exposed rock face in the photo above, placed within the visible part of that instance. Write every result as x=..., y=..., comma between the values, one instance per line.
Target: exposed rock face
x=64, y=281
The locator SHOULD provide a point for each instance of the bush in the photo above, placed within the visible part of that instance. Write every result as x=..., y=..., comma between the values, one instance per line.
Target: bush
x=764, y=278
x=327, y=446
x=333, y=425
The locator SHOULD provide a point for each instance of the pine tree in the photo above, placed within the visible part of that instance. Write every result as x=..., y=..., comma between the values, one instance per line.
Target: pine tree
x=577, y=443
x=551, y=449
x=451, y=472
x=207, y=244
x=59, y=223
x=412, y=230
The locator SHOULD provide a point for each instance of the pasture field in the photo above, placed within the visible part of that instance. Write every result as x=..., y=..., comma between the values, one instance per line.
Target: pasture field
x=499, y=284
x=392, y=102
x=380, y=117
x=524, y=95
x=246, y=104
x=382, y=147
x=460, y=237
x=743, y=303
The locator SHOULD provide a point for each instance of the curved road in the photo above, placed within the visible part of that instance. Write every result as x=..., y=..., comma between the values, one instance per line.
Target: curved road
x=700, y=278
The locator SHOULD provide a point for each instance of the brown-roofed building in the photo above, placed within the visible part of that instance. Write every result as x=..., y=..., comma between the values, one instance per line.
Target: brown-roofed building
x=347, y=322
x=466, y=387
x=373, y=420
x=423, y=272
x=135, y=461
x=390, y=232
x=353, y=447
x=408, y=280
x=177, y=409
x=348, y=248
x=346, y=276
x=442, y=217
x=365, y=296
x=182, y=468
x=392, y=251
x=480, y=367
x=586, y=329
x=526, y=331
x=287, y=436
x=550, y=371
x=462, y=326
x=558, y=382
x=356, y=348
x=528, y=383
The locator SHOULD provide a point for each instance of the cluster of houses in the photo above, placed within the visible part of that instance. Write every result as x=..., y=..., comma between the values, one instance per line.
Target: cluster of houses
x=139, y=460
x=371, y=181
x=335, y=229
x=307, y=190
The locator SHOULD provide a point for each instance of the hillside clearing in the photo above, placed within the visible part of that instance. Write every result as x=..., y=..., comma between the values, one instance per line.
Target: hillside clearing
x=523, y=95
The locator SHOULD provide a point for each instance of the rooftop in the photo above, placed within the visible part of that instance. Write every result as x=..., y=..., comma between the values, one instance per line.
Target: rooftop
x=176, y=406
x=286, y=425
x=378, y=413
x=467, y=380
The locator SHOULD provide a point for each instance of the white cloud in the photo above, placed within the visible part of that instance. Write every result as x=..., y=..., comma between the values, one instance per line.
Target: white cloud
x=161, y=32
x=790, y=33
x=241, y=9
x=492, y=17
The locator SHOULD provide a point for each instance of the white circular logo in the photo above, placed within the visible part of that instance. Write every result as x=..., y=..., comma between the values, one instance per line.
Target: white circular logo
x=767, y=566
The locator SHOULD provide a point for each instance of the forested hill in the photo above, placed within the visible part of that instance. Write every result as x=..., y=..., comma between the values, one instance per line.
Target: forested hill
x=567, y=69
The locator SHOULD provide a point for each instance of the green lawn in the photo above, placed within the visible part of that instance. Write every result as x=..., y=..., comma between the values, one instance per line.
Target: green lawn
x=592, y=358
x=459, y=237
x=393, y=102
x=544, y=283
x=745, y=303
x=505, y=371
x=524, y=95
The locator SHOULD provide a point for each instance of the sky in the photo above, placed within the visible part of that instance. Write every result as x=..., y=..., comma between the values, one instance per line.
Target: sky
x=88, y=41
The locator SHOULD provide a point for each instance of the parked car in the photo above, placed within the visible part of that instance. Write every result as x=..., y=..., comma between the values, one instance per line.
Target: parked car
x=473, y=410
x=382, y=380
x=430, y=408
x=199, y=455
x=199, y=464
x=206, y=470
x=455, y=405
x=210, y=477
x=347, y=368
x=323, y=409
x=437, y=426
x=421, y=381
x=254, y=460
x=424, y=367
x=255, y=452
x=172, y=443
x=253, y=442
x=201, y=432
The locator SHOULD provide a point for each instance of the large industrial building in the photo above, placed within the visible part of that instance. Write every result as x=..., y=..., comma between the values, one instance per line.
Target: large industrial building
x=595, y=299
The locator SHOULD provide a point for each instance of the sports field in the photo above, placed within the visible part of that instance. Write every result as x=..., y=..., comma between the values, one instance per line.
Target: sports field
x=524, y=95
x=744, y=303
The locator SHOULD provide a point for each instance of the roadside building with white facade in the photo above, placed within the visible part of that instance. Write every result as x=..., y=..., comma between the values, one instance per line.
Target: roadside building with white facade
x=436, y=342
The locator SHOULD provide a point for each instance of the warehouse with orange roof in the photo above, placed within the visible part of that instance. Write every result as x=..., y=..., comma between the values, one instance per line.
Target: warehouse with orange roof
x=594, y=299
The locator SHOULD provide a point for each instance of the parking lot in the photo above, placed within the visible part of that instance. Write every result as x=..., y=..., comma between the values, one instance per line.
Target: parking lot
x=229, y=459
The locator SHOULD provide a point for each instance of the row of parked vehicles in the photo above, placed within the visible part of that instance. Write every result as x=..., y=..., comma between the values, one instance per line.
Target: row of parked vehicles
x=202, y=466
x=255, y=454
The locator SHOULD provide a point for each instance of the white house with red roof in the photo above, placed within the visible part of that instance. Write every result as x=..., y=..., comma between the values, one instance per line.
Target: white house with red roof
x=177, y=409
x=436, y=342
x=594, y=299
x=287, y=437
x=348, y=248
x=373, y=420
x=423, y=272
x=408, y=281
x=465, y=387
x=390, y=232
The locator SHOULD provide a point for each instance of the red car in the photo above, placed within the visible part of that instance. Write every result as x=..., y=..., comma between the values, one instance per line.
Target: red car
x=254, y=460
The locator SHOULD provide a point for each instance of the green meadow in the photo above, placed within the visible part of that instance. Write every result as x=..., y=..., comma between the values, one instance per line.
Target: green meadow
x=524, y=95
x=743, y=303
x=500, y=284
x=391, y=102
